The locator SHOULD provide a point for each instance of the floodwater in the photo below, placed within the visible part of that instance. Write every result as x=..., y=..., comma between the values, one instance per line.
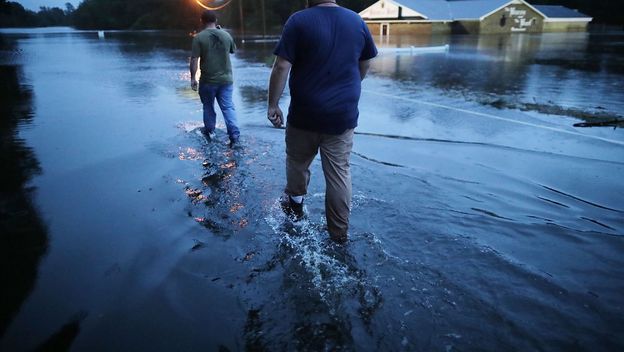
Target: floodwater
x=482, y=218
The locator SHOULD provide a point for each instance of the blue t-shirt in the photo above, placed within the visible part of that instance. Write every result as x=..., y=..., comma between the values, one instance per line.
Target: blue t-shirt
x=324, y=44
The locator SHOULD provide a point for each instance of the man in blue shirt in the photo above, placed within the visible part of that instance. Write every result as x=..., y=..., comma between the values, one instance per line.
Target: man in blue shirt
x=326, y=49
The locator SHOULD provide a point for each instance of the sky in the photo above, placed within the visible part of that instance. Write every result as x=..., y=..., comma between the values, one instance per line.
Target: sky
x=35, y=4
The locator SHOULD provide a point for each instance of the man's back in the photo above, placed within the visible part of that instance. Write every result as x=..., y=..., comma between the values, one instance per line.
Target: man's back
x=324, y=45
x=214, y=47
x=327, y=50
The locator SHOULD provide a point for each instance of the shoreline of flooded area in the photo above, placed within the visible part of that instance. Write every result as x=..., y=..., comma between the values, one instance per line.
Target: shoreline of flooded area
x=482, y=218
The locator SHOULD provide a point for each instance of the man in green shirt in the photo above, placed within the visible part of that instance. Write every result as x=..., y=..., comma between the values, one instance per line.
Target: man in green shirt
x=212, y=47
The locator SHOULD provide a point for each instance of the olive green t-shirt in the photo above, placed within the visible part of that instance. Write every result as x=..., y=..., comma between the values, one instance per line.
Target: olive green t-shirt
x=213, y=47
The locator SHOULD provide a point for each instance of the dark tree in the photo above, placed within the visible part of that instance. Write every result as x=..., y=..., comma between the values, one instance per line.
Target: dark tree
x=13, y=14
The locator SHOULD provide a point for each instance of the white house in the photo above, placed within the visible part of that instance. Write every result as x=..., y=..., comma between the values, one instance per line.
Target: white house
x=469, y=16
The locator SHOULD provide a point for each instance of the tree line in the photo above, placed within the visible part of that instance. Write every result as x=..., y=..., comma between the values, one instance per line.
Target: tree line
x=247, y=15
x=13, y=14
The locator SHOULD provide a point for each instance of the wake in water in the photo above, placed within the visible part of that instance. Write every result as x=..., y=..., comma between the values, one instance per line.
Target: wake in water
x=420, y=271
x=293, y=262
x=327, y=263
x=337, y=299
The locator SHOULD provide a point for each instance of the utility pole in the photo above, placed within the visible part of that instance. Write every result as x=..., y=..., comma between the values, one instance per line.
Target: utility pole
x=263, y=19
x=241, y=18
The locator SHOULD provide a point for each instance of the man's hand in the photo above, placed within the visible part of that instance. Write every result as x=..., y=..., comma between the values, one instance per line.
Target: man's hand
x=194, y=66
x=279, y=75
x=275, y=115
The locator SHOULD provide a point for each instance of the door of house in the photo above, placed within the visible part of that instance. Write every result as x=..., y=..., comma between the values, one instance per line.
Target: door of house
x=385, y=29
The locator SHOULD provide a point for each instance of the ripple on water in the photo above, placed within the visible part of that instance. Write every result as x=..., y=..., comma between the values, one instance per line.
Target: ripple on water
x=420, y=271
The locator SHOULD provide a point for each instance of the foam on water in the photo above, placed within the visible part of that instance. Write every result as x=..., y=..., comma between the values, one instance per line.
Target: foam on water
x=309, y=241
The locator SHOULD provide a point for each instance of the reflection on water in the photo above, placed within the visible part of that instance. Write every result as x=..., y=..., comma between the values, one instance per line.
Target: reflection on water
x=575, y=70
x=23, y=235
x=480, y=220
x=562, y=74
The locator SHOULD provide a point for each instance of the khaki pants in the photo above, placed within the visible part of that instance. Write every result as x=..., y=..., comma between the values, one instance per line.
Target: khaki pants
x=301, y=149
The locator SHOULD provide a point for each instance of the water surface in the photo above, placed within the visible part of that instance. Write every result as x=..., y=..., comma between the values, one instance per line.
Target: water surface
x=482, y=219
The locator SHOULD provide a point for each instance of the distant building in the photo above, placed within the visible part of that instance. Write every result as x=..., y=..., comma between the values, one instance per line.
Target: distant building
x=387, y=17
x=563, y=19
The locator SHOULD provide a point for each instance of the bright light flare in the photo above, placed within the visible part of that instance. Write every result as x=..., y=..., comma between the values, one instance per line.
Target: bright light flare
x=210, y=5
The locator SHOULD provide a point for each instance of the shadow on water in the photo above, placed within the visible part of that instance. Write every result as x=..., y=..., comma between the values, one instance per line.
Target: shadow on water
x=24, y=238
x=63, y=339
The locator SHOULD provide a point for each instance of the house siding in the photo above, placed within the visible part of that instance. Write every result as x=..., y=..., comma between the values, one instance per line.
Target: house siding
x=441, y=27
x=565, y=26
x=402, y=28
x=515, y=18
x=465, y=27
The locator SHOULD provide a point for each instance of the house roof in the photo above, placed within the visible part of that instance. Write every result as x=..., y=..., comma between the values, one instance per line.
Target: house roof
x=554, y=11
x=474, y=8
x=452, y=10
x=435, y=10
x=443, y=10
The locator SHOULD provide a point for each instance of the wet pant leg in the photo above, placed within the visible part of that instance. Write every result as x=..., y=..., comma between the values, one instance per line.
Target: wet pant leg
x=335, y=154
x=301, y=148
x=207, y=93
x=224, y=99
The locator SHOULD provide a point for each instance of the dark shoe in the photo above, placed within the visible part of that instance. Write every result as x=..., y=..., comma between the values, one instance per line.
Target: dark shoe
x=339, y=239
x=291, y=208
x=210, y=135
x=234, y=142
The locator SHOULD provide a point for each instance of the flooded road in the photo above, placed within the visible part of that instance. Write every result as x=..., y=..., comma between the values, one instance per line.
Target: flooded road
x=482, y=218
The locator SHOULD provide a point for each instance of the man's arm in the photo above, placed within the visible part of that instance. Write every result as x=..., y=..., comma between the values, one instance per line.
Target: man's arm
x=364, y=66
x=193, y=68
x=279, y=76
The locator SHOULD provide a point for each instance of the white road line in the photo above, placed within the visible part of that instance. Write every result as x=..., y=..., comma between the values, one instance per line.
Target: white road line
x=494, y=117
